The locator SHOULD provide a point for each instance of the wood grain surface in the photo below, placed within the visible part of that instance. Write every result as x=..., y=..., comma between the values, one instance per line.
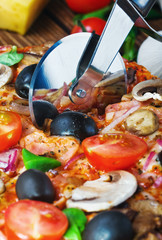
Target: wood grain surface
x=54, y=23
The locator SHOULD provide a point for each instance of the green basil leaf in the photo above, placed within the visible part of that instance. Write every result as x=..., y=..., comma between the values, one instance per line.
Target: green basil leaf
x=77, y=221
x=32, y=161
x=11, y=58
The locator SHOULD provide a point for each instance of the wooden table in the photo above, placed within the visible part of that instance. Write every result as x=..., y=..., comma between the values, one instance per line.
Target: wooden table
x=55, y=22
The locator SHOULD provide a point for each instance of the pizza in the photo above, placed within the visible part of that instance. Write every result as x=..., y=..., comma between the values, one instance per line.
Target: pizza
x=85, y=172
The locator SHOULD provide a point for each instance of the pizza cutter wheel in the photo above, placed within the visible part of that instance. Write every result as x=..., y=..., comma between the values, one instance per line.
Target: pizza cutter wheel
x=84, y=60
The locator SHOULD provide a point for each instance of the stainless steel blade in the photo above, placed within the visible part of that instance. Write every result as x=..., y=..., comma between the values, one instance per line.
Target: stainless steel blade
x=119, y=24
x=59, y=66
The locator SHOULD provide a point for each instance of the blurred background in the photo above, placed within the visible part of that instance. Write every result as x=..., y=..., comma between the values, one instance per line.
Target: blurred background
x=58, y=18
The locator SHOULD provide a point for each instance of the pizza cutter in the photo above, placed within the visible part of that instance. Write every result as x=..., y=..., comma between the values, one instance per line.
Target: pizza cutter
x=84, y=59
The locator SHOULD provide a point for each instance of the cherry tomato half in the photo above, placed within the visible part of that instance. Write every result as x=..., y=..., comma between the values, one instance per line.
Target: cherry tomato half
x=91, y=24
x=28, y=219
x=10, y=129
x=85, y=6
x=113, y=151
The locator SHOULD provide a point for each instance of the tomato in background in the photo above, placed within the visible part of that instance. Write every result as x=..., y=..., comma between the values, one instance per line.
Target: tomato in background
x=86, y=6
x=10, y=129
x=90, y=25
x=114, y=151
x=28, y=219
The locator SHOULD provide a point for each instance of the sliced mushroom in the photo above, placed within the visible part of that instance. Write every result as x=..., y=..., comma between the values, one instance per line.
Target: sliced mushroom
x=108, y=191
x=148, y=220
x=2, y=186
x=111, y=79
x=6, y=75
x=142, y=122
x=148, y=89
x=141, y=206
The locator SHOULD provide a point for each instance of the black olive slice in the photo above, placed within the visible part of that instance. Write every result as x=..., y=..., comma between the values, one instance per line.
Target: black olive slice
x=35, y=185
x=23, y=80
x=42, y=110
x=75, y=124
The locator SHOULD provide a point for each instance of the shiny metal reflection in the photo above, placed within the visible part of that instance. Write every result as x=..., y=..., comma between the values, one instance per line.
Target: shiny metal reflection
x=59, y=66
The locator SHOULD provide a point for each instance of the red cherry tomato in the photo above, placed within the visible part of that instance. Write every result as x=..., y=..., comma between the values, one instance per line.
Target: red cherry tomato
x=91, y=24
x=85, y=6
x=10, y=129
x=113, y=151
x=28, y=219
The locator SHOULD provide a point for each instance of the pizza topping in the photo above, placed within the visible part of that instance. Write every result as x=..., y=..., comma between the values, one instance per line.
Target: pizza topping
x=118, y=120
x=73, y=159
x=8, y=160
x=20, y=106
x=6, y=75
x=28, y=219
x=160, y=157
x=77, y=221
x=145, y=205
x=109, y=225
x=32, y=161
x=158, y=182
x=12, y=57
x=63, y=148
x=142, y=122
x=109, y=190
x=43, y=110
x=152, y=156
x=159, y=141
x=2, y=186
x=114, y=150
x=81, y=164
x=23, y=80
x=147, y=226
x=35, y=185
x=148, y=89
x=10, y=129
x=148, y=217
x=111, y=79
x=75, y=124
x=116, y=113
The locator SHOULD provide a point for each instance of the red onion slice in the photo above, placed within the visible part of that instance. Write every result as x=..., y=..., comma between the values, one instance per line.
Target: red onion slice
x=159, y=141
x=158, y=182
x=149, y=160
x=8, y=160
x=73, y=160
x=119, y=119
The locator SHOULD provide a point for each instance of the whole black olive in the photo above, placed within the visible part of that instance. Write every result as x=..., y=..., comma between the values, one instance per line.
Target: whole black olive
x=23, y=81
x=42, y=110
x=109, y=225
x=75, y=124
x=35, y=185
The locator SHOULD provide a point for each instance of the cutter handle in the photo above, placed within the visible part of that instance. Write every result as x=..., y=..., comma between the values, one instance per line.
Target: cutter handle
x=143, y=6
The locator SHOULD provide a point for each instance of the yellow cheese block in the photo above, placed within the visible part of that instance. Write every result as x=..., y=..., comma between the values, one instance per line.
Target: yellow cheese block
x=18, y=15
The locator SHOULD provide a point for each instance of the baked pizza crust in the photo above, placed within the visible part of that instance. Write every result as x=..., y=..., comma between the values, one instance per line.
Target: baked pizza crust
x=145, y=204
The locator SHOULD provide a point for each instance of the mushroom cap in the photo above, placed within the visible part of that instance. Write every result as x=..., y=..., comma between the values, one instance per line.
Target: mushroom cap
x=108, y=191
x=6, y=74
x=148, y=89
